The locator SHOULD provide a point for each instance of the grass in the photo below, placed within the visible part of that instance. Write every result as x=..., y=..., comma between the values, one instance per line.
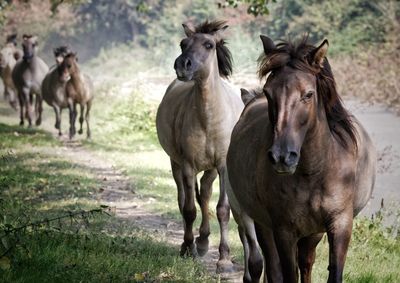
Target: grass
x=39, y=183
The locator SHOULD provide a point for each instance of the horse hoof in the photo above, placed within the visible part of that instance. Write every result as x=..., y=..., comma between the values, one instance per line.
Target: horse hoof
x=225, y=266
x=59, y=134
x=21, y=123
x=202, y=246
x=188, y=250
x=38, y=122
x=80, y=132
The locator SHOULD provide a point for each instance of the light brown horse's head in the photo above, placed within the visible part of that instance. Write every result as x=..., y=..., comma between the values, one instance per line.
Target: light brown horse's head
x=60, y=52
x=68, y=67
x=202, y=51
x=7, y=56
x=300, y=89
x=29, y=46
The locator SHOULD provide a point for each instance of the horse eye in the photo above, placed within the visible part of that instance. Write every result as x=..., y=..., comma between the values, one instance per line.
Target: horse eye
x=307, y=96
x=208, y=45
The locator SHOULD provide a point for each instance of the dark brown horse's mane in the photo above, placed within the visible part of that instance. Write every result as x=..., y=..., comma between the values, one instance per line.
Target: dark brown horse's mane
x=297, y=56
x=224, y=56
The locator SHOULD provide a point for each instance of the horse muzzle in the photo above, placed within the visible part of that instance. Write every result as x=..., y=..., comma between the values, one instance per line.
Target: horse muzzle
x=184, y=67
x=283, y=162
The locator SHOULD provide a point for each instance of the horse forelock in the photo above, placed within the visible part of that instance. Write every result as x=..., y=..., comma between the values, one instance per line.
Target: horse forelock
x=296, y=56
x=224, y=56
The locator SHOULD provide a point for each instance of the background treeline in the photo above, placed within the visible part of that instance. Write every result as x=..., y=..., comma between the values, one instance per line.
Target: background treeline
x=92, y=25
x=126, y=37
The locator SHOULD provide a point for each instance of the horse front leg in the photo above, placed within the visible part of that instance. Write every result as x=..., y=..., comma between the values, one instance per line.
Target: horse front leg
x=87, y=116
x=27, y=98
x=286, y=243
x=57, y=111
x=205, y=194
x=38, y=109
x=21, y=100
x=72, y=117
x=272, y=266
x=178, y=177
x=339, y=234
x=306, y=255
x=188, y=211
x=82, y=108
x=224, y=263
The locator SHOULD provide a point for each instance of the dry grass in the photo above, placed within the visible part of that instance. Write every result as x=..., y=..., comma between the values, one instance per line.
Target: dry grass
x=370, y=76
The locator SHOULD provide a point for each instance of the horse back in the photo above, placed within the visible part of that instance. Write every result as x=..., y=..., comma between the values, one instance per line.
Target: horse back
x=365, y=169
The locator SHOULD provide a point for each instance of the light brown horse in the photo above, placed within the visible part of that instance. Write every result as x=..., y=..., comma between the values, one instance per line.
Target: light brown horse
x=54, y=86
x=299, y=163
x=79, y=91
x=9, y=55
x=27, y=76
x=194, y=123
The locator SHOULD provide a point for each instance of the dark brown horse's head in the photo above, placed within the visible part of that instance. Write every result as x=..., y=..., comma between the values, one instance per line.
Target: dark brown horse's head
x=29, y=45
x=300, y=87
x=202, y=50
x=60, y=52
x=68, y=67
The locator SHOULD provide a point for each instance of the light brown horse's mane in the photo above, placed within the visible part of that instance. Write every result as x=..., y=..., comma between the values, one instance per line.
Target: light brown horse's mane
x=297, y=56
x=224, y=56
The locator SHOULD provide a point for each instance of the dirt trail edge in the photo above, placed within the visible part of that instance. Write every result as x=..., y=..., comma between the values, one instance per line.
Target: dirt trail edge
x=116, y=192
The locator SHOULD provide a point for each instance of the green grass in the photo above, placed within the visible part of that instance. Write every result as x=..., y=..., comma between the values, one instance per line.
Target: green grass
x=37, y=183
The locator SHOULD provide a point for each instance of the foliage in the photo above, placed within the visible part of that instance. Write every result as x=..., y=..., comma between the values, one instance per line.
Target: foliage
x=255, y=7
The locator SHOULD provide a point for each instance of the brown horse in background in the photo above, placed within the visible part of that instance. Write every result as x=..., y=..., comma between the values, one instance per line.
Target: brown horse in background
x=54, y=86
x=79, y=91
x=27, y=76
x=194, y=123
x=9, y=55
x=299, y=163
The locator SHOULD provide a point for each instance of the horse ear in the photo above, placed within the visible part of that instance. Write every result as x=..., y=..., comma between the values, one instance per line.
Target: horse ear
x=189, y=30
x=318, y=55
x=268, y=44
x=16, y=55
x=246, y=96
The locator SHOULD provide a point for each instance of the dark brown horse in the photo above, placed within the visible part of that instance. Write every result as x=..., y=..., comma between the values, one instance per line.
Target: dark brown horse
x=299, y=163
x=194, y=124
x=54, y=86
x=27, y=76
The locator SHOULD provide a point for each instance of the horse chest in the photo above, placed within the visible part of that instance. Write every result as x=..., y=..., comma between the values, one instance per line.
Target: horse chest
x=300, y=206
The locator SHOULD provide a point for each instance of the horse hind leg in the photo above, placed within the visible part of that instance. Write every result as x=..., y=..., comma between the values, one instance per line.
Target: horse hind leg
x=204, y=198
x=81, y=119
x=306, y=255
x=224, y=263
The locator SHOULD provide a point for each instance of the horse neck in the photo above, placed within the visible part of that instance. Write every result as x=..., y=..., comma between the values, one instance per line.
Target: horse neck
x=76, y=79
x=317, y=146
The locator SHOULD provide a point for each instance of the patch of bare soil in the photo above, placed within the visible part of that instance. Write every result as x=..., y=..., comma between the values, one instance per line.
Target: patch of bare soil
x=118, y=192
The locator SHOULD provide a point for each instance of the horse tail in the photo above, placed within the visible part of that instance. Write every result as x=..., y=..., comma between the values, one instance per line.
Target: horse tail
x=196, y=187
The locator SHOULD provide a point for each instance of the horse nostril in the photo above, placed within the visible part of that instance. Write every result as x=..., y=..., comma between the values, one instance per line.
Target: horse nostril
x=291, y=158
x=272, y=158
x=188, y=64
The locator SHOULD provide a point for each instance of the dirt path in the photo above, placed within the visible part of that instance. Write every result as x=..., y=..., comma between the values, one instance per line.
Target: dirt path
x=117, y=192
